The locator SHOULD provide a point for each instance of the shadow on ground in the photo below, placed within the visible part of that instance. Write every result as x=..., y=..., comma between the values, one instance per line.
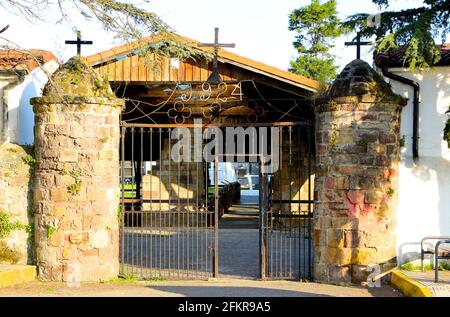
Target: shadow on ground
x=231, y=291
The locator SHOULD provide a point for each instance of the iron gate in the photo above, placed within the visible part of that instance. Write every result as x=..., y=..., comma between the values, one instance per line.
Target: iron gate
x=168, y=228
x=169, y=221
x=286, y=205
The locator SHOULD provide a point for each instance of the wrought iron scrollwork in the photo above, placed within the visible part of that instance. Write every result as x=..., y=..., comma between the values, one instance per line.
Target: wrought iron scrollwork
x=177, y=112
x=212, y=97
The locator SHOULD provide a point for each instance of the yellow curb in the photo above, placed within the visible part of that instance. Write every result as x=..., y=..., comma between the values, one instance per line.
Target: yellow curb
x=17, y=275
x=408, y=286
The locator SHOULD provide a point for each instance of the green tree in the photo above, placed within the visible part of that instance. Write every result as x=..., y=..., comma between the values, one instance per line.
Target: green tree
x=316, y=25
x=414, y=29
x=125, y=20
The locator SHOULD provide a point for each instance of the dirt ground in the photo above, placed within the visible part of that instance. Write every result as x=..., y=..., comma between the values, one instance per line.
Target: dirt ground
x=214, y=288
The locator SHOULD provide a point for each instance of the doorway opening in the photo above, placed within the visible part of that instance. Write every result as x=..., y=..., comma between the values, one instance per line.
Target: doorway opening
x=201, y=219
x=240, y=224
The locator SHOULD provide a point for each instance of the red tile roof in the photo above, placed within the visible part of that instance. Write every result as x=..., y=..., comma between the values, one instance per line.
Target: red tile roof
x=395, y=58
x=24, y=60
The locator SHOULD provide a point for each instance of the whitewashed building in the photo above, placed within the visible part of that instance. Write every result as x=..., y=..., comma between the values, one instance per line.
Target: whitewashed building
x=424, y=169
x=22, y=76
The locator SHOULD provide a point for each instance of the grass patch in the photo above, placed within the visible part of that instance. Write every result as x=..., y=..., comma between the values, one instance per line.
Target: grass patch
x=127, y=278
x=443, y=266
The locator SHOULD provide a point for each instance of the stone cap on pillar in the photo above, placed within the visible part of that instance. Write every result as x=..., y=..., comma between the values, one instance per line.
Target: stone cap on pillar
x=359, y=82
x=77, y=82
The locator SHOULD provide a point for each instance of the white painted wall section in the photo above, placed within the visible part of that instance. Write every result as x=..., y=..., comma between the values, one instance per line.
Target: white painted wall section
x=20, y=113
x=424, y=188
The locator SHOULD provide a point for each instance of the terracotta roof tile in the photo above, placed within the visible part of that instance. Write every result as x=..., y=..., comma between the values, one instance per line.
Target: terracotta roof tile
x=24, y=60
x=395, y=57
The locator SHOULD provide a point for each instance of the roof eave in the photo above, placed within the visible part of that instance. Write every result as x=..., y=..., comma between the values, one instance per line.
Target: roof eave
x=224, y=56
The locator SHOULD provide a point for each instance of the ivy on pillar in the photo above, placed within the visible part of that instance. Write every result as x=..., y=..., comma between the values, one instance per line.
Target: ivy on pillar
x=76, y=194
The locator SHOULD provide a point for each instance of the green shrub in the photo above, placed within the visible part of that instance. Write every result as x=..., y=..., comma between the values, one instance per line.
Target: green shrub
x=50, y=231
x=7, y=226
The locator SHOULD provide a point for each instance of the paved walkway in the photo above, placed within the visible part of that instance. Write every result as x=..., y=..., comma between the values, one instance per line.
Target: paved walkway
x=441, y=289
x=218, y=288
x=239, y=248
x=250, y=197
x=238, y=235
x=239, y=240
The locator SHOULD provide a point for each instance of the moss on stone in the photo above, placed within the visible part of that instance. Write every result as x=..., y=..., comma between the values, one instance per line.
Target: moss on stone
x=77, y=78
x=359, y=79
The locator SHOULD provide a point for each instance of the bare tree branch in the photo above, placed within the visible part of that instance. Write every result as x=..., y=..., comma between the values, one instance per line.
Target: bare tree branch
x=4, y=29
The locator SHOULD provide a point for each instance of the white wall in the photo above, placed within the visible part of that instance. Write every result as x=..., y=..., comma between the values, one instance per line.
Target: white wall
x=424, y=189
x=226, y=172
x=20, y=112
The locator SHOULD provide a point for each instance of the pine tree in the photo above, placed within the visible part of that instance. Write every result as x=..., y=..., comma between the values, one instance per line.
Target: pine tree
x=316, y=24
x=414, y=29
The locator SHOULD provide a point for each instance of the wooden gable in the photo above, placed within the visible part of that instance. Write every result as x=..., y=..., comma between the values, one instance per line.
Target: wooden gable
x=138, y=69
x=169, y=89
x=123, y=64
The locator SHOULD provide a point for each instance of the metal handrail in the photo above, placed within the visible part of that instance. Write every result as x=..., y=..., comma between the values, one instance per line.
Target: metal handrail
x=423, y=252
x=229, y=194
x=437, y=257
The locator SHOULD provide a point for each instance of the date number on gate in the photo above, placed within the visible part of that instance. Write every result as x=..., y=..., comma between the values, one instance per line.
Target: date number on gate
x=245, y=306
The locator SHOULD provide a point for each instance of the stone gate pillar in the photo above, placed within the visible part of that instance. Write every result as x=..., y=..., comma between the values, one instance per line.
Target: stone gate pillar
x=357, y=152
x=76, y=195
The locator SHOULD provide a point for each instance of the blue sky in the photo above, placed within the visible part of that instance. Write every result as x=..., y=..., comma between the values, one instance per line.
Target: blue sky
x=258, y=27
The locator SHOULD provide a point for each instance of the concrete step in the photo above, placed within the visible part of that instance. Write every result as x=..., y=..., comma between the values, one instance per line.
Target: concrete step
x=16, y=274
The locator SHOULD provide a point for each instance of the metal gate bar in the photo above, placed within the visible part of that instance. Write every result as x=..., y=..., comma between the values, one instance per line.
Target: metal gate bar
x=286, y=244
x=165, y=229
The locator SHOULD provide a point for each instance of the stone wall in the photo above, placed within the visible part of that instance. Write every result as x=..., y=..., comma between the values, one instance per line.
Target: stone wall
x=76, y=195
x=16, y=203
x=357, y=145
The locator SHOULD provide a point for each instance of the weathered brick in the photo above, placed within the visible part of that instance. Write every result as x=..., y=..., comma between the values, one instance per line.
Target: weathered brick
x=339, y=256
x=353, y=239
x=386, y=138
x=68, y=155
x=341, y=182
x=340, y=274
x=364, y=133
x=373, y=197
x=329, y=183
x=335, y=238
x=68, y=146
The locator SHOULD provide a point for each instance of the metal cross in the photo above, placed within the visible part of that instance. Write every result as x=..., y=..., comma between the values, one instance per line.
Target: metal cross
x=215, y=77
x=358, y=44
x=79, y=42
